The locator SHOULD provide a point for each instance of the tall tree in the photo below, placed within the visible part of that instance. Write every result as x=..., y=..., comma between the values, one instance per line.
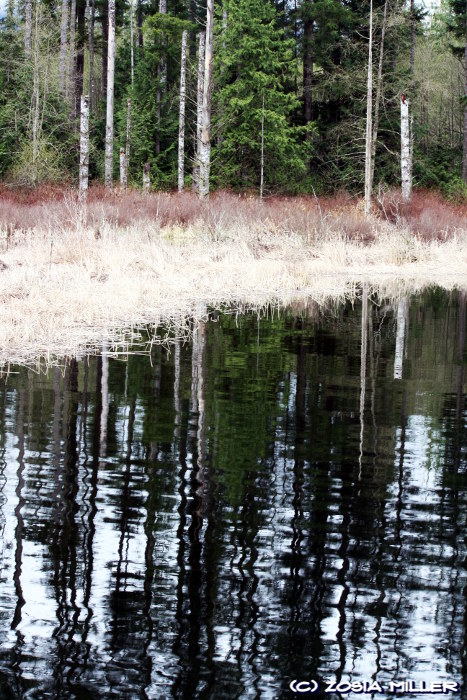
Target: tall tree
x=205, y=142
x=369, y=116
x=109, y=125
x=181, y=122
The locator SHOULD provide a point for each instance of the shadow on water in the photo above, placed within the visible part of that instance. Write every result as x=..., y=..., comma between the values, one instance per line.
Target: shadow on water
x=280, y=499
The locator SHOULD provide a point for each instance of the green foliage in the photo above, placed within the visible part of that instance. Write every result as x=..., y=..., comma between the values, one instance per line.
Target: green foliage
x=255, y=63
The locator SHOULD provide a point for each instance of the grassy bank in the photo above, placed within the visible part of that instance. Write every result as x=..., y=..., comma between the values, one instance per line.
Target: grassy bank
x=72, y=276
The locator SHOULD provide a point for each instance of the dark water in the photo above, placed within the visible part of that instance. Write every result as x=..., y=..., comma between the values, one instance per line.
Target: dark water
x=284, y=499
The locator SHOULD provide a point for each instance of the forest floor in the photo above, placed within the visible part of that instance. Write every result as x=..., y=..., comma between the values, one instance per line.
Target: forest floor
x=73, y=277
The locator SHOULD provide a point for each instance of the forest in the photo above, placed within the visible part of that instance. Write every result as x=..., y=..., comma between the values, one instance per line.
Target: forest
x=291, y=86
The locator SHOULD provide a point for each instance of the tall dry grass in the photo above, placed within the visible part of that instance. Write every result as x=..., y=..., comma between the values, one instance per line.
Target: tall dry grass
x=72, y=276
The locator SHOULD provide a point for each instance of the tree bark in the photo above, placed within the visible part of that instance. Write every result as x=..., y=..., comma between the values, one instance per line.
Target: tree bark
x=464, y=155
x=63, y=45
x=146, y=178
x=28, y=28
x=262, y=155
x=379, y=89
x=369, y=116
x=79, y=80
x=122, y=168
x=109, y=128
x=308, y=66
x=84, y=148
x=132, y=54
x=199, y=108
x=91, y=55
x=405, y=151
x=181, y=121
x=162, y=80
x=71, y=60
x=205, y=141
x=128, y=140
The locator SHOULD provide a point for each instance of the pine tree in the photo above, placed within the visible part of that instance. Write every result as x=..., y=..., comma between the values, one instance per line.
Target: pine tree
x=255, y=61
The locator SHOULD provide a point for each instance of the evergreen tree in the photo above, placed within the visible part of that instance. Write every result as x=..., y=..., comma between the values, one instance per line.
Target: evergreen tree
x=254, y=60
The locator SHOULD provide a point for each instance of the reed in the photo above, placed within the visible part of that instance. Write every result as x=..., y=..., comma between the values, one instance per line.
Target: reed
x=77, y=275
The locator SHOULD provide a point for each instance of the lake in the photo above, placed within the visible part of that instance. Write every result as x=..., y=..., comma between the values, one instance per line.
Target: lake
x=276, y=507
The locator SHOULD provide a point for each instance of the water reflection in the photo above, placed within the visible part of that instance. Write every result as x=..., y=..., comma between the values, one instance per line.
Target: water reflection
x=282, y=499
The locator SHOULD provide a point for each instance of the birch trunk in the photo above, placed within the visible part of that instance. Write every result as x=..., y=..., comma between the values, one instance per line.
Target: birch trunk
x=28, y=28
x=181, y=121
x=109, y=128
x=122, y=168
x=146, y=178
x=71, y=59
x=369, y=116
x=308, y=69
x=405, y=151
x=379, y=89
x=91, y=55
x=132, y=55
x=63, y=46
x=162, y=80
x=205, y=141
x=199, y=108
x=464, y=155
x=262, y=155
x=84, y=148
x=128, y=138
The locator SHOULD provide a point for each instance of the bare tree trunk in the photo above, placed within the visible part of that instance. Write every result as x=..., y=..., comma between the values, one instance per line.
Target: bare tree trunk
x=109, y=127
x=412, y=36
x=205, y=141
x=199, y=107
x=308, y=65
x=80, y=42
x=91, y=55
x=162, y=80
x=369, y=116
x=405, y=151
x=379, y=89
x=63, y=45
x=262, y=154
x=132, y=54
x=84, y=148
x=139, y=23
x=28, y=28
x=122, y=168
x=146, y=178
x=464, y=155
x=36, y=106
x=181, y=121
x=71, y=59
x=128, y=138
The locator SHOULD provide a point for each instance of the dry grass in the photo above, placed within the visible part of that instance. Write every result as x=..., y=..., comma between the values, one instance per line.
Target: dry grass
x=74, y=276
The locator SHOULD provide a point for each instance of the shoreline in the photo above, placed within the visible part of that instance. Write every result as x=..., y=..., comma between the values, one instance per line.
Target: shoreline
x=67, y=289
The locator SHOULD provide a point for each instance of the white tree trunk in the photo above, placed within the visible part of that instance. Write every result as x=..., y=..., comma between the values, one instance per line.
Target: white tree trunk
x=84, y=147
x=146, y=178
x=128, y=139
x=379, y=89
x=109, y=127
x=369, y=116
x=91, y=55
x=122, y=168
x=63, y=46
x=262, y=155
x=28, y=28
x=72, y=59
x=181, y=121
x=464, y=154
x=132, y=55
x=199, y=107
x=162, y=79
x=205, y=141
x=405, y=151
